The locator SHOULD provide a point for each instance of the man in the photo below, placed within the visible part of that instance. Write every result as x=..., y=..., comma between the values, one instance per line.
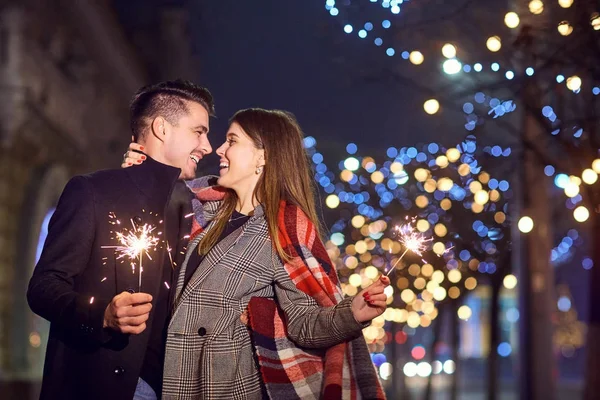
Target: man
x=105, y=342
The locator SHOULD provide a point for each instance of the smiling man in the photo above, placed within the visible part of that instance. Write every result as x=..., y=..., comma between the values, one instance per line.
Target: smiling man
x=107, y=331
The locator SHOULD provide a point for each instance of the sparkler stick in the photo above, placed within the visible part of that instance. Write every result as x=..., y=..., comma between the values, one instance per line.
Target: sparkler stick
x=412, y=240
x=135, y=243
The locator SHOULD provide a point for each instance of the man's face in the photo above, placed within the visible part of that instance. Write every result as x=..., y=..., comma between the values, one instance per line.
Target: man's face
x=186, y=142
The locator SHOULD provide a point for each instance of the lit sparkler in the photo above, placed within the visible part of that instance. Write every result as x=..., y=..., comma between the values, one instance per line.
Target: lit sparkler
x=134, y=244
x=412, y=240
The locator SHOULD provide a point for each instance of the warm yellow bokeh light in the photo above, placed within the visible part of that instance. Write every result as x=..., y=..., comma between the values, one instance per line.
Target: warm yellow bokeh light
x=413, y=319
x=510, y=281
x=441, y=161
x=332, y=201
x=476, y=208
x=511, y=19
x=525, y=224
x=595, y=21
x=421, y=174
x=565, y=3
x=402, y=283
x=427, y=270
x=596, y=165
x=437, y=276
x=428, y=307
x=419, y=283
x=449, y=50
x=414, y=270
x=439, y=293
x=464, y=170
x=351, y=262
x=494, y=195
x=574, y=83
x=423, y=225
x=361, y=246
x=446, y=204
x=453, y=154
x=358, y=221
x=346, y=175
x=454, y=292
x=454, y=276
x=431, y=285
x=430, y=186
x=470, y=283
x=475, y=187
x=581, y=214
x=425, y=321
x=351, y=290
x=464, y=313
x=484, y=177
x=500, y=217
x=439, y=248
x=416, y=57
x=407, y=296
x=445, y=184
x=422, y=201
x=377, y=177
x=571, y=189
x=536, y=6
x=494, y=44
x=355, y=280
x=431, y=106
x=565, y=29
x=440, y=230
x=396, y=167
x=481, y=197
x=426, y=295
x=589, y=176
x=371, y=272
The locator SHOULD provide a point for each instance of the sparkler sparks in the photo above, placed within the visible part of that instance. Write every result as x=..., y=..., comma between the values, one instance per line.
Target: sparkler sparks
x=412, y=240
x=134, y=243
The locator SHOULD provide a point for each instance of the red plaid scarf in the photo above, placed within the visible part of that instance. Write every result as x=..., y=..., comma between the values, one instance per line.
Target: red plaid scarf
x=343, y=371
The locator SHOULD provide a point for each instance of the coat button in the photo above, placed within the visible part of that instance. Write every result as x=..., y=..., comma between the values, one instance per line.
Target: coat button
x=201, y=331
x=137, y=219
x=119, y=370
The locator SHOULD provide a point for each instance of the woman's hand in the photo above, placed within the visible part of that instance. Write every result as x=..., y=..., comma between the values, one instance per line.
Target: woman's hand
x=133, y=157
x=370, y=302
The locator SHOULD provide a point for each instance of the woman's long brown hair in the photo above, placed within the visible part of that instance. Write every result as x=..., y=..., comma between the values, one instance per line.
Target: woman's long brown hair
x=287, y=173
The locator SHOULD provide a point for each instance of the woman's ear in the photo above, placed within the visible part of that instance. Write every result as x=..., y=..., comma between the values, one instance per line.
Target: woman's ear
x=261, y=158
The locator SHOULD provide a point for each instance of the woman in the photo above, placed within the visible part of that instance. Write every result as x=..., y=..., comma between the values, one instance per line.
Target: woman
x=260, y=257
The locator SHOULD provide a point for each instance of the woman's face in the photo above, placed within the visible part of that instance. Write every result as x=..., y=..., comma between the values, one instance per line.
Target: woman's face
x=239, y=161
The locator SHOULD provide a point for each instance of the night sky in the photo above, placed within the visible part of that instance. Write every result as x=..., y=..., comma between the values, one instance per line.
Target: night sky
x=292, y=55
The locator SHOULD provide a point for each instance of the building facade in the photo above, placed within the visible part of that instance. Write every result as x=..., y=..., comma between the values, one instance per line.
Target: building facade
x=67, y=73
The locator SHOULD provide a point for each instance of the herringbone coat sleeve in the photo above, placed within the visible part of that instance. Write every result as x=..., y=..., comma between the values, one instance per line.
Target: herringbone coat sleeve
x=310, y=325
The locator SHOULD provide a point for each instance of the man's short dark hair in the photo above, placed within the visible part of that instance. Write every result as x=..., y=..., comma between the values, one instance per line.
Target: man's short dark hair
x=166, y=99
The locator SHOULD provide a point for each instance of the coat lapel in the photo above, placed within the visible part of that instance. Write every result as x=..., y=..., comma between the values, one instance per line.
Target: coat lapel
x=209, y=262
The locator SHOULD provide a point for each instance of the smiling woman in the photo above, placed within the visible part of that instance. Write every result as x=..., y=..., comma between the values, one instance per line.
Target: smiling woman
x=257, y=256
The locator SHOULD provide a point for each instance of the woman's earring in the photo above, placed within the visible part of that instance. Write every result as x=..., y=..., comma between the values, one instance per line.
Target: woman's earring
x=258, y=170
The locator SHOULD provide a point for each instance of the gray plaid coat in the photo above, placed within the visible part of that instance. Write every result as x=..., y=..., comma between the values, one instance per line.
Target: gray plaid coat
x=209, y=354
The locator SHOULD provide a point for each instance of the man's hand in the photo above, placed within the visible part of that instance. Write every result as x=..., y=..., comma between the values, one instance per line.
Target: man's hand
x=128, y=312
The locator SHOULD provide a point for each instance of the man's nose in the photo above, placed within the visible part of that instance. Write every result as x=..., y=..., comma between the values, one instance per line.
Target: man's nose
x=205, y=146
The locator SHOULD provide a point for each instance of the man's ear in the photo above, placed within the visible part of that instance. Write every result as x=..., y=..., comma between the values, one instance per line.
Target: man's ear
x=158, y=128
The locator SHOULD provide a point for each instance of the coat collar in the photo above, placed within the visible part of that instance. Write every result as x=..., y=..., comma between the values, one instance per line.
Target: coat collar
x=154, y=178
x=213, y=257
